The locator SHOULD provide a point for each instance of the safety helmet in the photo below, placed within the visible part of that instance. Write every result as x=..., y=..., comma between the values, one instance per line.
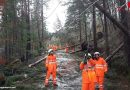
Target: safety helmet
x=50, y=50
x=89, y=55
x=96, y=53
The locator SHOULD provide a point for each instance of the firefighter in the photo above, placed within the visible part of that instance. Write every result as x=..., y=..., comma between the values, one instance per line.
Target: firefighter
x=100, y=69
x=51, y=67
x=88, y=73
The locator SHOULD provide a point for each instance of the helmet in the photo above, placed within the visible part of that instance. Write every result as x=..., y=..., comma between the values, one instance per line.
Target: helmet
x=96, y=53
x=50, y=50
x=89, y=55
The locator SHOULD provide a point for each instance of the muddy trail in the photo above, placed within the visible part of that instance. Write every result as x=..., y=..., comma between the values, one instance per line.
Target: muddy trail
x=68, y=73
x=68, y=76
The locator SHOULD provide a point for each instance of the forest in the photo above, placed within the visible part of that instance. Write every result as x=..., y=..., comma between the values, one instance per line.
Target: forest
x=89, y=26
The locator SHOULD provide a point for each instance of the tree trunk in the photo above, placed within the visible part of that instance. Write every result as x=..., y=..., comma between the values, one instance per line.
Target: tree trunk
x=79, y=23
x=85, y=28
x=94, y=29
x=106, y=31
x=28, y=47
x=114, y=52
x=38, y=24
x=42, y=21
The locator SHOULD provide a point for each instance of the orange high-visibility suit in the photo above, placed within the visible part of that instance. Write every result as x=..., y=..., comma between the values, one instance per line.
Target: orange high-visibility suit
x=88, y=76
x=51, y=66
x=100, y=69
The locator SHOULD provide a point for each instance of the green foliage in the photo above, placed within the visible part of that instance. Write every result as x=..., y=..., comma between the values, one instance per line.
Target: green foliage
x=10, y=80
x=72, y=25
x=16, y=32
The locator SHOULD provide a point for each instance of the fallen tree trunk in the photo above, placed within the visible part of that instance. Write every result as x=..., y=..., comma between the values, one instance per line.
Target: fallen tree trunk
x=15, y=61
x=37, y=62
x=114, y=52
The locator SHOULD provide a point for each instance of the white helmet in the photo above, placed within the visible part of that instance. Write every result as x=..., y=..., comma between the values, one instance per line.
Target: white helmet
x=96, y=53
x=89, y=55
x=50, y=50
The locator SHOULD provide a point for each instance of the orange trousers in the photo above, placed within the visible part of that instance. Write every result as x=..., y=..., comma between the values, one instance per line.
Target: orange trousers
x=88, y=86
x=100, y=81
x=48, y=76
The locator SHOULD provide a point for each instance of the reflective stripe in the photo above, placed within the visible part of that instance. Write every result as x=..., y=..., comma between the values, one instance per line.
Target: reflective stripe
x=100, y=86
x=86, y=69
x=105, y=65
x=51, y=62
x=100, y=67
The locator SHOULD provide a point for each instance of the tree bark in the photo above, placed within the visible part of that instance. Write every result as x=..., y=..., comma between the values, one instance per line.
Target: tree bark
x=79, y=22
x=42, y=16
x=28, y=47
x=106, y=31
x=85, y=29
x=94, y=29
x=114, y=52
x=37, y=62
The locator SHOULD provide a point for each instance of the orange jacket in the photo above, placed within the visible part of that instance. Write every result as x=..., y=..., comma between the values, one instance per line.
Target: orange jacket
x=100, y=66
x=51, y=64
x=88, y=73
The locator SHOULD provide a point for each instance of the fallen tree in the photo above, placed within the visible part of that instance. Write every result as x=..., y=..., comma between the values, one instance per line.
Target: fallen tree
x=114, y=52
x=37, y=62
